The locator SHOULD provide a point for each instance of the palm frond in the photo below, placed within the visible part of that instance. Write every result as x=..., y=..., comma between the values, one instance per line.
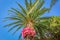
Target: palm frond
x=37, y=9
x=20, y=38
x=14, y=27
x=52, y=3
x=33, y=7
x=40, y=12
x=11, y=24
x=40, y=5
x=13, y=18
x=11, y=11
x=18, y=13
x=23, y=10
x=27, y=5
x=30, y=3
x=17, y=29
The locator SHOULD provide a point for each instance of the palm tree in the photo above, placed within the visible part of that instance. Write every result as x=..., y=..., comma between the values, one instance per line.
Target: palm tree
x=30, y=18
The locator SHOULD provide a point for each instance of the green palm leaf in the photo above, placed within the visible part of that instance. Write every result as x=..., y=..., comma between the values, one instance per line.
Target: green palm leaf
x=30, y=3
x=37, y=9
x=18, y=13
x=52, y=3
x=40, y=5
x=20, y=38
x=14, y=27
x=11, y=24
x=17, y=29
x=23, y=10
x=27, y=5
x=33, y=7
x=13, y=18
x=41, y=12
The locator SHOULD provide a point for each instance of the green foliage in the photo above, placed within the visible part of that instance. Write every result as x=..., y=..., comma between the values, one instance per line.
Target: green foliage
x=17, y=29
x=50, y=24
x=14, y=23
x=20, y=38
x=23, y=10
x=14, y=27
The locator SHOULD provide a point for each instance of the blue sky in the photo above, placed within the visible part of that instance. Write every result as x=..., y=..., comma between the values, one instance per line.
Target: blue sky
x=5, y=5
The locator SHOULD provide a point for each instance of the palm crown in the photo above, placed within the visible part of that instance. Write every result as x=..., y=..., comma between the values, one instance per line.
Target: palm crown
x=30, y=15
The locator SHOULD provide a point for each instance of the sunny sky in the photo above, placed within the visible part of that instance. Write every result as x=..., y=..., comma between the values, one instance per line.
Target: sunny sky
x=5, y=5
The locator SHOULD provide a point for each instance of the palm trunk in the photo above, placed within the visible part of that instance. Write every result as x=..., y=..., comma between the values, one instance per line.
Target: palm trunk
x=33, y=38
x=28, y=38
